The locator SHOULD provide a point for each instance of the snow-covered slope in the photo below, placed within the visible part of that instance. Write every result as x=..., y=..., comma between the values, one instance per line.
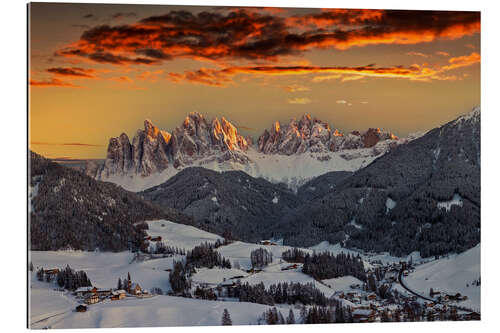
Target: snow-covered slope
x=180, y=235
x=154, y=312
x=293, y=170
x=451, y=274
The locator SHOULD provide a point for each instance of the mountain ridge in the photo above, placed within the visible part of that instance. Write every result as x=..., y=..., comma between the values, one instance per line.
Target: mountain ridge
x=217, y=145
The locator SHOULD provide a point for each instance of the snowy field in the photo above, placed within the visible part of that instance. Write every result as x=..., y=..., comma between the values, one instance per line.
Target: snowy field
x=180, y=235
x=52, y=308
x=342, y=283
x=450, y=275
x=155, y=311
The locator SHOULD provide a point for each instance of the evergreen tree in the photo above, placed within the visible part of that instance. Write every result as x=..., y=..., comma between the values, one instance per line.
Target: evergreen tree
x=372, y=284
x=291, y=317
x=303, y=314
x=281, y=318
x=119, y=285
x=226, y=318
x=31, y=266
x=39, y=274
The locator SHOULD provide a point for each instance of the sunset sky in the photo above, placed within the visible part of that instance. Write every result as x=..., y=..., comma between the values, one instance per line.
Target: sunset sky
x=99, y=70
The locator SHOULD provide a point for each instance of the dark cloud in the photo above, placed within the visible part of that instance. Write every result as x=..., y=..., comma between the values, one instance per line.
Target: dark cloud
x=82, y=26
x=117, y=16
x=88, y=16
x=260, y=34
x=72, y=72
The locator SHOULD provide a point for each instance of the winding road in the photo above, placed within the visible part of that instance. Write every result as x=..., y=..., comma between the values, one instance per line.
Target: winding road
x=400, y=279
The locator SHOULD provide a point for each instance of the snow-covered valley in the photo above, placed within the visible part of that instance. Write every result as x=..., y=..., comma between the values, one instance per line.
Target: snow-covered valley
x=54, y=308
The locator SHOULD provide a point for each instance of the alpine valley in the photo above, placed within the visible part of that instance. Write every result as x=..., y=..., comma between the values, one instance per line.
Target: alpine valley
x=304, y=222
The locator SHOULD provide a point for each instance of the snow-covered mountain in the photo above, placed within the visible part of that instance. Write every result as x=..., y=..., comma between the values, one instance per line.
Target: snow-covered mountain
x=291, y=154
x=313, y=135
x=423, y=196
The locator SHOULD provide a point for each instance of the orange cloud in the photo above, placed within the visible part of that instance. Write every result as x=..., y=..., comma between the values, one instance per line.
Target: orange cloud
x=442, y=53
x=462, y=61
x=247, y=34
x=52, y=83
x=418, y=54
x=224, y=77
x=295, y=88
x=299, y=100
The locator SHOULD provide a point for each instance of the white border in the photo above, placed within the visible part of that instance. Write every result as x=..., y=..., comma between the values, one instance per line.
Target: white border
x=13, y=163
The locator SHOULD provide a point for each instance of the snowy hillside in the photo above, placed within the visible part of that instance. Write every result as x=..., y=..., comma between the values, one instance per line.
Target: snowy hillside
x=293, y=170
x=154, y=312
x=179, y=235
x=451, y=274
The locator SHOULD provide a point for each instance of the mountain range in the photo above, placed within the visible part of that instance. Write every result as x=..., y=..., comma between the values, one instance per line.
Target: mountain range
x=415, y=194
x=154, y=155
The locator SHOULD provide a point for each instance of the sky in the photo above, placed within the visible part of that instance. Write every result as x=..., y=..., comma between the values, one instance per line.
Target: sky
x=97, y=71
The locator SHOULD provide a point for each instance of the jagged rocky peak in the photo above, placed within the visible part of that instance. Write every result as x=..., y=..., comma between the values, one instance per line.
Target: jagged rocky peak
x=153, y=150
x=153, y=131
x=314, y=135
x=196, y=138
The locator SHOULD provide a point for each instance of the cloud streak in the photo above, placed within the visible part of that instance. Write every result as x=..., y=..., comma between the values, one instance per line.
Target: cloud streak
x=224, y=77
x=299, y=100
x=75, y=72
x=54, y=82
x=78, y=144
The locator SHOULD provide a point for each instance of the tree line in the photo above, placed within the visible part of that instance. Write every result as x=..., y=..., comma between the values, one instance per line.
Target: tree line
x=326, y=265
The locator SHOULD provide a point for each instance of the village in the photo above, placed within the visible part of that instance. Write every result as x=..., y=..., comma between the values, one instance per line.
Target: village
x=383, y=296
x=89, y=295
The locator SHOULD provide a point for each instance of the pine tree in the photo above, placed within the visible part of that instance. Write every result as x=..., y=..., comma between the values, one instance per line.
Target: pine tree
x=281, y=319
x=31, y=266
x=303, y=314
x=39, y=274
x=226, y=318
x=291, y=317
x=119, y=286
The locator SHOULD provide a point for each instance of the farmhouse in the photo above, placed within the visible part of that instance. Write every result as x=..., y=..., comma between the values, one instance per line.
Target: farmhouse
x=84, y=291
x=117, y=295
x=363, y=316
x=102, y=292
x=92, y=299
x=156, y=239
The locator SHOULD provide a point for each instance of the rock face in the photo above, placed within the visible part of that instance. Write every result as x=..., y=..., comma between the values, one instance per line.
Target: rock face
x=196, y=139
x=313, y=135
x=153, y=150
